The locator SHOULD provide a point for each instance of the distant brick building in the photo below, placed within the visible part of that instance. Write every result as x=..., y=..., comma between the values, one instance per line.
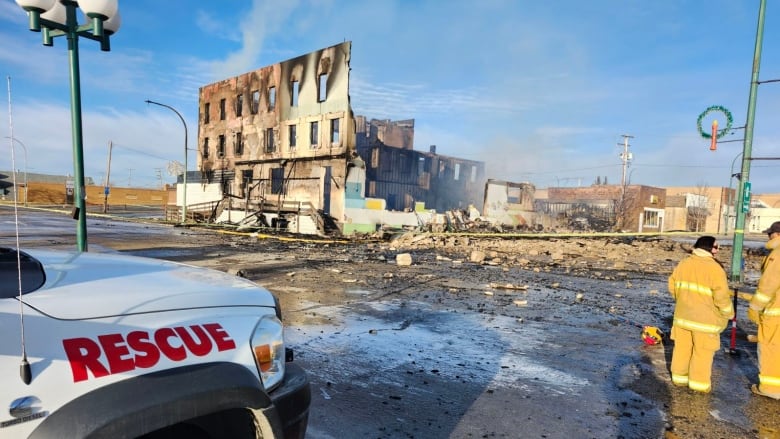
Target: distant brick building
x=403, y=176
x=639, y=209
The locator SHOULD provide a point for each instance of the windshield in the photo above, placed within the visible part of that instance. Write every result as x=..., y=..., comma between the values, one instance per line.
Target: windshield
x=33, y=275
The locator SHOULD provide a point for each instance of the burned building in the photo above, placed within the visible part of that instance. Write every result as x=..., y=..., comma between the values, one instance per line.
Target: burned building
x=281, y=135
x=606, y=207
x=404, y=177
x=283, y=140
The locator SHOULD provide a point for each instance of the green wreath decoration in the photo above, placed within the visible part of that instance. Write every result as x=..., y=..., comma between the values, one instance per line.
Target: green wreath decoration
x=721, y=133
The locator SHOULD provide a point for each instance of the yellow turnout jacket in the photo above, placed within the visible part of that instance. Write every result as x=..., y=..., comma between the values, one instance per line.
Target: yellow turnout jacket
x=701, y=292
x=765, y=301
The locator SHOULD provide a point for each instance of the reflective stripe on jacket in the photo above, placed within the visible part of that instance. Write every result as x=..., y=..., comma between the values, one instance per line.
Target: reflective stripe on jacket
x=765, y=301
x=701, y=292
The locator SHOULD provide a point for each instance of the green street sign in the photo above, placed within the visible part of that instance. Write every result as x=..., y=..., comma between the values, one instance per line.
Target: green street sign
x=746, y=197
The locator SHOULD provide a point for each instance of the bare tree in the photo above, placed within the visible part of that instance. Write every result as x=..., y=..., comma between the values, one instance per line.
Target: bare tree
x=698, y=208
x=625, y=204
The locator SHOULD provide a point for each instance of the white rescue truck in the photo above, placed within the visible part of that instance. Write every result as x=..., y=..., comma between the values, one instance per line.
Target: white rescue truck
x=105, y=345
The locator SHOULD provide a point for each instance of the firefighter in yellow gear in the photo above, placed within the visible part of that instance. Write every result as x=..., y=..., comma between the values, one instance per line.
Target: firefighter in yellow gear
x=702, y=310
x=765, y=312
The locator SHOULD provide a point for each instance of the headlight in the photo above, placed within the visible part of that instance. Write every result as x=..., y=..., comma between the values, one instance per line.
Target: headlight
x=268, y=349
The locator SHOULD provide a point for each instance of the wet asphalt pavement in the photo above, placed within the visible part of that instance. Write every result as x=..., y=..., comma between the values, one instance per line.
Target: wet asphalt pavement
x=433, y=351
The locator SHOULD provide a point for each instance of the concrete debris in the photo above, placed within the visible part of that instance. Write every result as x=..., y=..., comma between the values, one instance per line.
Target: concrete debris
x=236, y=272
x=403, y=259
x=520, y=303
x=579, y=297
x=488, y=293
x=507, y=286
x=477, y=256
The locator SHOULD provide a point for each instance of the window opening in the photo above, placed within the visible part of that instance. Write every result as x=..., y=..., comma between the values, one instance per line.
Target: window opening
x=323, y=88
x=271, y=98
x=239, y=105
x=457, y=171
x=334, y=131
x=314, y=134
x=246, y=181
x=206, y=148
x=221, y=146
x=277, y=180
x=292, y=131
x=651, y=218
x=255, y=101
x=238, y=145
x=206, y=111
x=222, y=109
x=294, y=100
x=269, y=140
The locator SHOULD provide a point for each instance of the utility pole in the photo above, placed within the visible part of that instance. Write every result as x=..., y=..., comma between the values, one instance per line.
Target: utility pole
x=108, y=176
x=129, y=177
x=626, y=157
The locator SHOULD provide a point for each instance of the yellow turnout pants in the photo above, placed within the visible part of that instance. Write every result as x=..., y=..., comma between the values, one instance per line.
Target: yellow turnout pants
x=769, y=359
x=692, y=358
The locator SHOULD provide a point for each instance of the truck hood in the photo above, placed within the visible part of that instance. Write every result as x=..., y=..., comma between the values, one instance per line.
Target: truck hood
x=94, y=285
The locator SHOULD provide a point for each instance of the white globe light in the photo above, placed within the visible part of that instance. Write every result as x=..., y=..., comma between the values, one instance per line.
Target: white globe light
x=58, y=14
x=105, y=8
x=42, y=5
x=111, y=25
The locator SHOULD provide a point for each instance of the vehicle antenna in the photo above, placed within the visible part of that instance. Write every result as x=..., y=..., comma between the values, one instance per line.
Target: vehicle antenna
x=24, y=368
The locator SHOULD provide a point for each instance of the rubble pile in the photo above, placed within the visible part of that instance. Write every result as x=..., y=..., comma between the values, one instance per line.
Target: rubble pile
x=646, y=254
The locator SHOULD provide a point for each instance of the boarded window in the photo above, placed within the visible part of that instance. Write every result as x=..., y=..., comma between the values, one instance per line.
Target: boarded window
x=221, y=146
x=271, y=98
x=270, y=146
x=255, y=101
x=238, y=144
x=314, y=134
x=206, y=112
x=292, y=134
x=323, y=88
x=277, y=180
x=222, y=109
x=334, y=131
x=294, y=97
x=239, y=105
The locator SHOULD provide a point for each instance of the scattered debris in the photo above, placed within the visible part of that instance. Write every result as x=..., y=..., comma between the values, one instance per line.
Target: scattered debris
x=403, y=259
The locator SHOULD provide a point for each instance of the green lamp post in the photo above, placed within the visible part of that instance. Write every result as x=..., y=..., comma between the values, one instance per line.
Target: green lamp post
x=55, y=18
x=743, y=190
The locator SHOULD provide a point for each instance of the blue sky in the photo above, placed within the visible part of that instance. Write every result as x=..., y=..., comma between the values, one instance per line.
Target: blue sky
x=539, y=90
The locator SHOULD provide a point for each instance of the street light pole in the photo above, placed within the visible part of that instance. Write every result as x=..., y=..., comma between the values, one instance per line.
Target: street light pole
x=56, y=18
x=14, y=139
x=184, y=196
x=730, y=200
x=742, y=192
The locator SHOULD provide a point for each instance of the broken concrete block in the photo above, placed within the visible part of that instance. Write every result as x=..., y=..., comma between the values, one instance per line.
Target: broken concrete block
x=477, y=256
x=403, y=259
